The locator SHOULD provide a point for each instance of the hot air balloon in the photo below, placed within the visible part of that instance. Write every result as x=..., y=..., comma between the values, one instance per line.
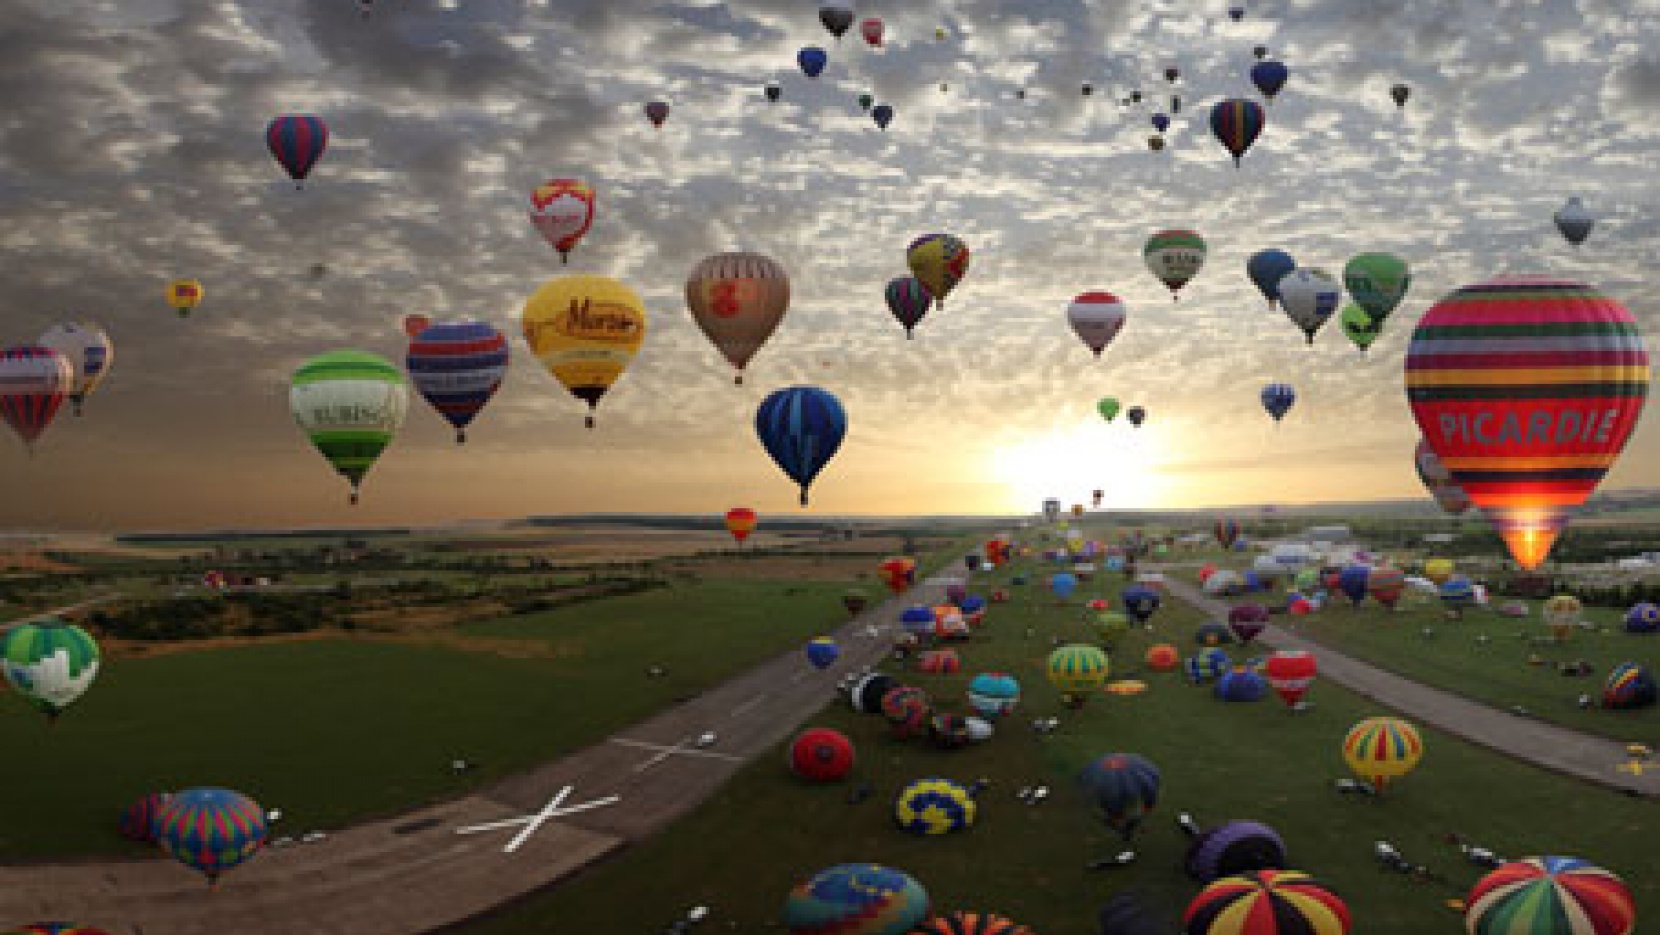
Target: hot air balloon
x=1277, y=399
x=1234, y=847
x=908, y=299
x=184, y=295
x=883, y=115
x=1140, y=602
x=740, y=522
x=1155, y=143
x=297, y=141
x=1123, y=787
x=657, y=112
x=896, y=573
x=1575, y=221
x=1096, y=495
x=857, y=899
x=413, y=325
x=1269, y=77
x=737, y=300
x=1438, y=480
x=1555, y=895
x=351, y=405
x=584, y=330
x=89, y=353
x=1382, y=749
x=33, y=383
x=49, y=662
x=1096, y=317
x=142, y=819
x=1267, y=268
x=1107, y=407
x=821, y=755
x=562, y=211
x=1227, y=532
x=1087, y=89
x=1527, y=388
x=837, y=16
x=940, y=34
x=1161, y=122
x=801, y=427
x=773, y=91
x=822, y=652
x=1290, y=673
x=1438, y=570
x=871, y=28
x=1063, y=584
x=1236, y=123
x=1172, y=74
x=1077, y=670
x=1236, y=11
x=1174, y=257
x=1378, y=282
x=1266, y=902
x=457, y=367
x=933, y=806
x=939, y=261
x=1400, y=93
x=211, y=830
x=1309, y=299
x=1247, y=621
x=1136, y=415
x=1562, y=614
x=1629, y=685
x=1260, y=51
x=1360, y=328
x=812, y=60
x=1643, y=617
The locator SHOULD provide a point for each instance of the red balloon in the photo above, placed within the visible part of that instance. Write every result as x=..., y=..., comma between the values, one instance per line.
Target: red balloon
x=821, y=754
x=1526, y=388
x=871, y=29
x=1290, y=672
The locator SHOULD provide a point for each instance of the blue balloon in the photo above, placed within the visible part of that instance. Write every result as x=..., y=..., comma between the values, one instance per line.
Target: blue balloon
x=812, y=60
x=801, y=427
x=1140, y=602
x=823, y=652
x=1241, y=684
x=1352, y=582
x=1269, y=77
x=973, y=603
x=883, y=115
x=917, y=620
x=1161, y=122
x=1063, y=584
x=1277, y=399
x=1267, y=268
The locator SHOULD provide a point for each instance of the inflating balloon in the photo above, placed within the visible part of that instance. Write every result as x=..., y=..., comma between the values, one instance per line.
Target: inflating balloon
x=1266, y=902
x=1124, y=788
x=737, y=301
x=866, y=899
x=351, y=405
x=562, y=210
x=1554, y=895
x=1382, y=749
x=1527, y=389
x=585, y=330
x=801, y=427
x=1096, y=317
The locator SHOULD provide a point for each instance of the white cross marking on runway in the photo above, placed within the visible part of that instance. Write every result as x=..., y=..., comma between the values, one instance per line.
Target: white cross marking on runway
x=666, y=752
x=532, y=823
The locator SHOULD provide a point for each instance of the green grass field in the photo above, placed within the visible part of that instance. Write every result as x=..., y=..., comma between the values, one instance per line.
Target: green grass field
x=1453, y=656
x=742, y=852
x=335, y=730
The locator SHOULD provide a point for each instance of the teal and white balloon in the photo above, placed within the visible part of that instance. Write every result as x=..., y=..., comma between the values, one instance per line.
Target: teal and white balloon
x=49, y=662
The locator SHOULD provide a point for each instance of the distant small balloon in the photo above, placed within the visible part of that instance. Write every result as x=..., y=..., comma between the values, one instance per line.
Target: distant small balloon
x=1575, y=221
x=1400, y=93
x=812, y=60
x=1236, y=11
x=774, y=91
x=657, y=112
x=883, y=115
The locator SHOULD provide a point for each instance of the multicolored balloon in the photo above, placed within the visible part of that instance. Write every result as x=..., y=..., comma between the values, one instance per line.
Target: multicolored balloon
x=971, y=923
x=1277, y=399
x=1359, y=327
x=933, y=806
x=457, y=366
x=351, y=405
x=1174, y=257
x=801, y=427
x=823, y=652
x=856, y=899
x=1377, y=282
x=1555, y=895
x=1078, y=669
x=88, y=350
x=1290, y=673
x=49, y=662
x=1527, y=389
x=740, y=522
x=297, y=141
x=939, y=261
x=413, y=325
x=1237, y=123
x=737, y=300
x=1382, y=749
x=1309, y=298
x=33, y=383
x=585, y=330
x=1096, y=317
x=562, y=211
x=211, y=830
x=1266, y=902
x=184, y=295
x=908, y=300
x=1124, y=788
x=1266, y=268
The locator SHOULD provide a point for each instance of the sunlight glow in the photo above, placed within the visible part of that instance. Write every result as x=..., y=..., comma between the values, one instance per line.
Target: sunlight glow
x=1070, y=462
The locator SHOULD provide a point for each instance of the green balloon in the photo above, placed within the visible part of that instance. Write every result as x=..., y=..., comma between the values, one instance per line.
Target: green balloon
x=1361, y=328
x=865, y=100
x=1378, y=282
x=1108, y=407
x=351, y=405
x=49, y=662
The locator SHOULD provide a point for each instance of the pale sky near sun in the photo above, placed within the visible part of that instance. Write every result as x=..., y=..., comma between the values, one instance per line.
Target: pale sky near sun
x=134, y=152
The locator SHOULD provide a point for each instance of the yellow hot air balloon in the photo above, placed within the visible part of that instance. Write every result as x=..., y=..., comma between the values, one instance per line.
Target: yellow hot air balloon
x=585, y=330
x=1438, y=570
x=184, y=295
x=939, y=262
x=738, y=299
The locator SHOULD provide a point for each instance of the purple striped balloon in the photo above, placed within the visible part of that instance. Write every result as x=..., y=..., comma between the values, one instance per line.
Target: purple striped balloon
x=457, y=367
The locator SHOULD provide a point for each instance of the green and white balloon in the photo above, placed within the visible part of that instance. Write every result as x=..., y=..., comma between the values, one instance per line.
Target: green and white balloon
x=351, y=405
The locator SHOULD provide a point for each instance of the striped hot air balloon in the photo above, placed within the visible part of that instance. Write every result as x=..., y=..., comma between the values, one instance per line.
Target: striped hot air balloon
x=1227, y=531
x=1266, y=902
x=211, y=830
x=908, y=300
x=1096, y=317
x=1629, y=685
x=1078, y=669
x=933, y=806
x=801, y=427
x=33, y=383
x=49, y=662
x=1550, y=896
x=457, y=366
x=1237, y=123
x=297, y=141
x=1381, y=749
x=970, y=923
x=740, y=522
x=351, y=405
x=1527, y=389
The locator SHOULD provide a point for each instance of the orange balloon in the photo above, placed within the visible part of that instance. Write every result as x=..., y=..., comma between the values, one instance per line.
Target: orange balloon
x=740, y=522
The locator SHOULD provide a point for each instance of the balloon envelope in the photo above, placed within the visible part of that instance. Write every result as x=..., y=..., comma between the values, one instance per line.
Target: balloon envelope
x=562, y=211
x=1309, y=298
x=908, y=300
x=89, y=352
x=1277, y=399
x=1107, y=407
x=297, y=141
x=812, y=60
x=1266, y=268
x=939, y=262
x=33, y=383
x=457, y=366
x=1174, y=256
x=585, y=330
x=1574, y=221
x=1269, y=77
x=801, y=427
x=49, y=662
x=351, y=405
x=737, y=300
x=1096, y=317
x=211, y=830
x=1237, y=123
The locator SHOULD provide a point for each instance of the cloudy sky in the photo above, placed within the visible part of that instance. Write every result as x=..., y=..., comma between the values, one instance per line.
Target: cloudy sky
x=132, y=151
